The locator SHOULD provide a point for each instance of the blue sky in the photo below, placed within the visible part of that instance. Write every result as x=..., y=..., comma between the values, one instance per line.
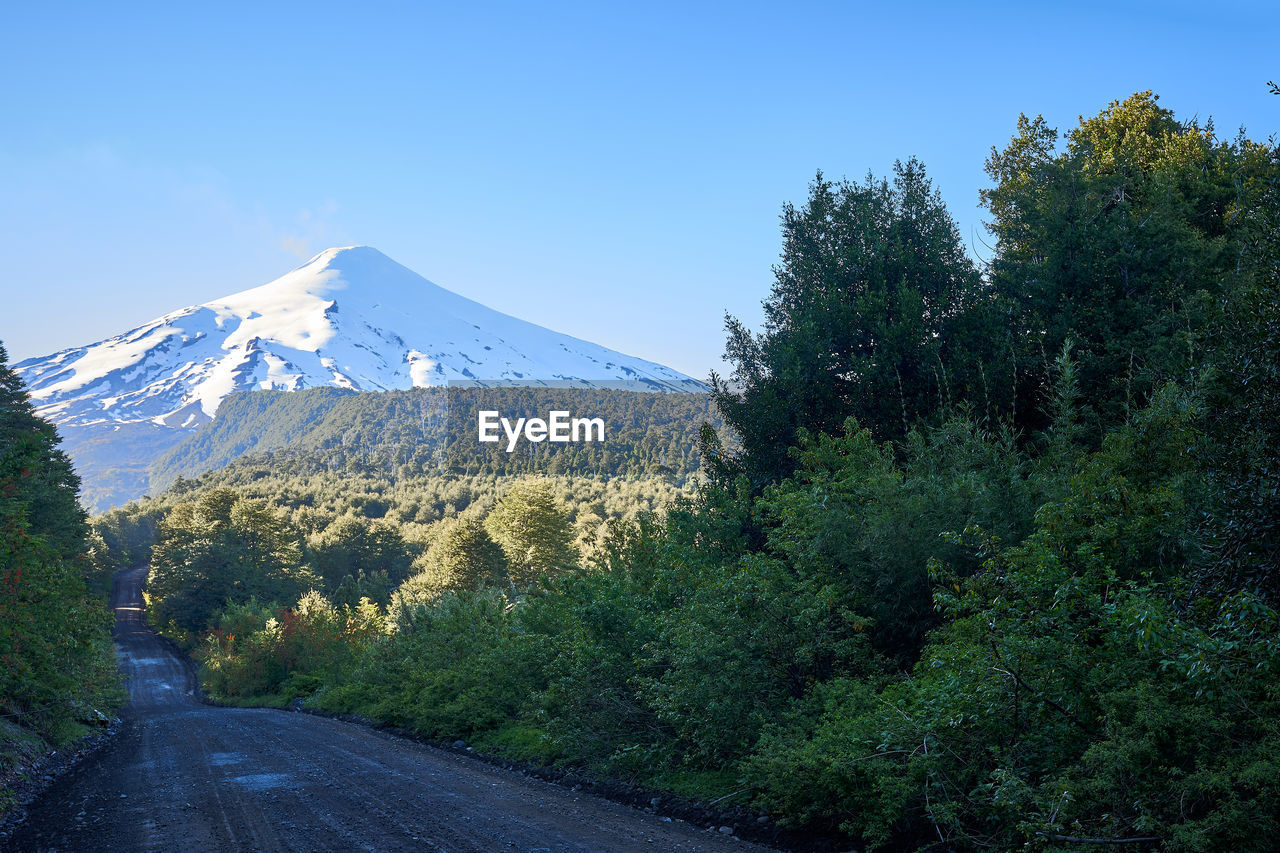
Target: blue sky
x=613, y=172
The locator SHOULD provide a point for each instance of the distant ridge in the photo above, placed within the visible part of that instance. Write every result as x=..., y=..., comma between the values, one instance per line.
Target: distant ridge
x=431, y=431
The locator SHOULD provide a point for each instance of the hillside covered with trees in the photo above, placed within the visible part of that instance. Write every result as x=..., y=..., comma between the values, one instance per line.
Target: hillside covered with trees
x=993, y=566
x=433, y=431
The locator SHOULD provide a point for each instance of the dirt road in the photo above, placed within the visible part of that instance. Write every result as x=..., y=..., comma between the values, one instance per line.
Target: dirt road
x=186, y=776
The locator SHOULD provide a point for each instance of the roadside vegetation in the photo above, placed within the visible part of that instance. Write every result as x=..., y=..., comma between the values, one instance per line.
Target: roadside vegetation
x=58, y=678
x=994, y=565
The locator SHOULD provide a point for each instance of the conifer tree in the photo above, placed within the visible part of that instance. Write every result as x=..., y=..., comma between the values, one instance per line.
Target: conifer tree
x=875, y=313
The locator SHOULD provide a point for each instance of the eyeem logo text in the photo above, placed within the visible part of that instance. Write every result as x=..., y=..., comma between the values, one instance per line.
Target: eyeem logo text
x=557, y=427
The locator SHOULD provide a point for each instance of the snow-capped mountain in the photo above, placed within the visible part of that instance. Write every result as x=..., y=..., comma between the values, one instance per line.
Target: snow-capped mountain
x=350, y=317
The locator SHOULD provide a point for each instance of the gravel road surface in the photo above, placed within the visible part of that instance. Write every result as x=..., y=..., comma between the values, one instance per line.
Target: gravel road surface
x=186, y=776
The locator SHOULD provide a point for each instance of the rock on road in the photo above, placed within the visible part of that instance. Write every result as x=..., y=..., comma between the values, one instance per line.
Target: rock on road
x=182, y=775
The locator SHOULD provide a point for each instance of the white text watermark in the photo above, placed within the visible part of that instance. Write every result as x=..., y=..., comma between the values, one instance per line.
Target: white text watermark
x=558, y=427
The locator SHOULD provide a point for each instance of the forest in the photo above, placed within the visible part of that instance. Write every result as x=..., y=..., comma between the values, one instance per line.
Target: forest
x=430, y=431
x=990, y=562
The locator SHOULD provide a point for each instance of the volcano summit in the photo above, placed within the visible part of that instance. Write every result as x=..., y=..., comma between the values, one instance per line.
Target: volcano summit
x=349, y=318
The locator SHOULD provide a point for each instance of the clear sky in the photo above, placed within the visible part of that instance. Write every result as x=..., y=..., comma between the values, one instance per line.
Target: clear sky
x=612, y=171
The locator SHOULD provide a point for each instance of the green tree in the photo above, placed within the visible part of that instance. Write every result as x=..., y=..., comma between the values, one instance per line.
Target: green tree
x=1121, y=242
x=1244, y=392
x=876, y=313
x=217, y=549
x=55, y=651
x=533, y=531
x=463, y=557
x=49, y=487
x=352, y=545
x=1073, y=687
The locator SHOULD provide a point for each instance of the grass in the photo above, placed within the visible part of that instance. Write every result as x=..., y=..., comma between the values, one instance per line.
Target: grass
x=517, y=741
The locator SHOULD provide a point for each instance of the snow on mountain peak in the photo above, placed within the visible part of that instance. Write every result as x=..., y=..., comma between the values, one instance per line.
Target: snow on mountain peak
x=349, y=317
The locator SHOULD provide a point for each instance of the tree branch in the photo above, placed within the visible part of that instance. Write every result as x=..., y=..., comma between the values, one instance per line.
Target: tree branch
x=1072, y=839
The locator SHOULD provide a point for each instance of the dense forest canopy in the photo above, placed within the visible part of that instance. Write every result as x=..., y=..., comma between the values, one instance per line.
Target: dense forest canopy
x=424, y=432
x=993, y=566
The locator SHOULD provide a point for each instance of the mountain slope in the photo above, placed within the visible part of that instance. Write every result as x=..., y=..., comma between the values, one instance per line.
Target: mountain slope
x=429, y=431
x=349, y=318
x=247, y=422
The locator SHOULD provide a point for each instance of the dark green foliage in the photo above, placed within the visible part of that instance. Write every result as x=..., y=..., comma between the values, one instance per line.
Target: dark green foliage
x=252, y=422
x=876, y=313
x=56, y=666
x=262, y=651
x=219, y=549
x=1071, y=689
x=462, y=557
x=120, y=538
x=351, y=546
x=533, y=532
x=43, y=479
x=1245, y=390
x=352, y=589
x=1123, y=243
x=994, y=677
x=873, y=526
x=464, y=666
x=604, y=626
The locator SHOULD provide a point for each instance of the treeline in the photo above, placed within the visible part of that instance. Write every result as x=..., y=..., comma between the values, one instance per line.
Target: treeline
x=250, y=531
x=994, y=566
x=246, y=422
x=57, y=670
x=433, y=431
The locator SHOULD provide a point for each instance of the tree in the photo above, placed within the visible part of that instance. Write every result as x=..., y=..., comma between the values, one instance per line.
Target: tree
x=221, y=548
x=533, y=531
x=49, y=486
x=54, y=641
x=1120, y=243
x=466, y=557
x=351, y=545
x=462, y=558
x=1245, y=393
x=875, y=313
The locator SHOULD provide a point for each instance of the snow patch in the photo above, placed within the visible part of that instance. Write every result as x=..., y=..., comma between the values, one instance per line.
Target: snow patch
x=349, y=317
